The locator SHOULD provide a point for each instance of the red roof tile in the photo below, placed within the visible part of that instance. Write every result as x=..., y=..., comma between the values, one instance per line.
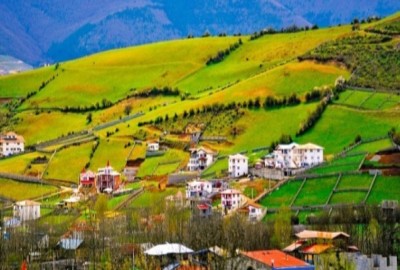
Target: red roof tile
x=279, y=258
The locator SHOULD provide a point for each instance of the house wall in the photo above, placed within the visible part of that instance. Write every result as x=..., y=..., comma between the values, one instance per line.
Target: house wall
x=153, y=147
x=198, y=189
x=9, y=147
x=27, y=212
x=238, y=167
x=231, y=201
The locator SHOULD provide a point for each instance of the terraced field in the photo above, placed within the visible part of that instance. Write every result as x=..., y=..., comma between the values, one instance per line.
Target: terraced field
x=282, y=196
x=315, y=191
x=368, y=100
x=21, y=191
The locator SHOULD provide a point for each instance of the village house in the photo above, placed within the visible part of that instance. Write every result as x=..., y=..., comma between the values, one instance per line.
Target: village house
x=87, y=178
x=198, y=188
x=11, y=143
x=254, y=211
x=108, y=179
x=153, y=146
x=311, y=244
x=27, y=210
x=203, y=209
x=200, y=159
x=271, y=260
x=291, y=157
x=231, y=199
x=238, y=165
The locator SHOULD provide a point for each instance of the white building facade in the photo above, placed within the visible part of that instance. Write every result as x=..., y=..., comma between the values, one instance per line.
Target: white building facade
x=296, y=156
x=200, y=159
x=231, y=199
x=198, y=189
x=27, y=210
x=11, y=143
x=238, y=165
x=153, y=146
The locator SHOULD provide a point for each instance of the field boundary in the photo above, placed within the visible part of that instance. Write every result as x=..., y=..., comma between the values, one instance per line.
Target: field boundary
x=333, y=190
x=298, y=192
x=370, y=187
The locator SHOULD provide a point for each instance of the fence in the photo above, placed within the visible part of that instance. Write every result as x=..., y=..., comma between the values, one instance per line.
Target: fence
x=181, y=177
x=116, y=122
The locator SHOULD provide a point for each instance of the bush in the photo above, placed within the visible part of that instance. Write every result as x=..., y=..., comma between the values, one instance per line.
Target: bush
x=312, y=118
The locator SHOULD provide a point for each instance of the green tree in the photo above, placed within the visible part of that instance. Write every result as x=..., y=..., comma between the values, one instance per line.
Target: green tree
x=128, y=109
x=282, y=227
x=101, y=206
x=89, y=118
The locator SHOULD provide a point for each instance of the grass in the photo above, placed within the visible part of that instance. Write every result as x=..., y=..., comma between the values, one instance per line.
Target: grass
x=217, y=167
x=373, y=147
x=349, y=123
x=355, y=98
x=61, y=166
x=115, y=201
x=284, y=80
x=18, y=164
x=255, y=57
x=273, y=122
x=376, y=101
x=57, y=220
x=111, y=150
x=315, y=191
x=152, y=198
x=373, y=100
x=21, y=191
x=353, y=197
x=334, y=168
x=385, y=188
x=45, y=126
x=151, y=165
x=281, y=196
x=346, y=160
x=355, y=181
x=19, y=85
x=303, y=215
x=113, y=74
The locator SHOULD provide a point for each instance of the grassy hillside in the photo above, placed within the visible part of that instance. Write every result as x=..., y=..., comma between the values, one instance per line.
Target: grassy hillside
x=119, y=81
x=112, y=75
x=339, y=126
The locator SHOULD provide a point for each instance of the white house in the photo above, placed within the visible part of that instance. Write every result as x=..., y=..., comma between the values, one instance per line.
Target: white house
x=296, y=156
x=254, y=210
x=198, y=189
x=231, y=199
x=27, y=210
x=153, y=146
x=238, y=165
x=200, y=158
x=11, y=143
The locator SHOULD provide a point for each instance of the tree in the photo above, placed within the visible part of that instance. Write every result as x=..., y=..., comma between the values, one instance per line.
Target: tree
x=101, y=206
x=128, y=109
x=89, y=118
x=282, y=227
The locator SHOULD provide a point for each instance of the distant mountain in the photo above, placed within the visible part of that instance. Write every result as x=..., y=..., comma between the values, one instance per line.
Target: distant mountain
x=9, y=65
x=39, y=31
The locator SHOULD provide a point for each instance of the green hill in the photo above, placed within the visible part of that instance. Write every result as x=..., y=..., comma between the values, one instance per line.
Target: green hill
x=96, y=93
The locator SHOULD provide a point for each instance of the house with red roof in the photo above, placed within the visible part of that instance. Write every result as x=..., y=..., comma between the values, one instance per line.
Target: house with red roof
x=108, y=179
x=87, y=178
x=310, y=244
x=271, y=260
